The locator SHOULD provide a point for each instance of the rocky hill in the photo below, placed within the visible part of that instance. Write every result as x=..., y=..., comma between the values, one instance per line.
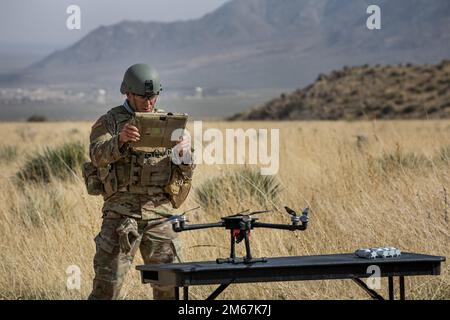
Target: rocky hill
x=252, y=44
x=365, y=92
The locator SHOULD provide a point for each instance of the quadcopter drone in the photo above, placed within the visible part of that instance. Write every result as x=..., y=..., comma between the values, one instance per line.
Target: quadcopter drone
x=240, y=225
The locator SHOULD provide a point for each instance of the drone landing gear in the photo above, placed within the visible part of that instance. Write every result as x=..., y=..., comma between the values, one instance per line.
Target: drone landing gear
x=237, y=236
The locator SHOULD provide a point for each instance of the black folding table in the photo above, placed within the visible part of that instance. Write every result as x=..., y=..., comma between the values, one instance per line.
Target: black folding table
x=294, y=268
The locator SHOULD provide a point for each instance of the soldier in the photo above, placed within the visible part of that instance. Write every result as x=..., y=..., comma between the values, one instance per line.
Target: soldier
x=135, y=211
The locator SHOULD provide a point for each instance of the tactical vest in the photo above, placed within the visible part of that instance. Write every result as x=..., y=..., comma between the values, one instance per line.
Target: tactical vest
x=143, y=172
x=139, y=172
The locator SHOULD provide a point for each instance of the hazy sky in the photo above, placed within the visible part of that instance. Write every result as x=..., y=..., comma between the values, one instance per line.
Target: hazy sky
x=43, y=22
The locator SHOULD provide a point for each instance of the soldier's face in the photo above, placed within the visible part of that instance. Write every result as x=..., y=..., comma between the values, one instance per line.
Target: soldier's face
x=142, y=104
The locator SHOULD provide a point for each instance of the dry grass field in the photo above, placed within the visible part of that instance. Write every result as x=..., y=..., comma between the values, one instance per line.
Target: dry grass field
x=368, y=184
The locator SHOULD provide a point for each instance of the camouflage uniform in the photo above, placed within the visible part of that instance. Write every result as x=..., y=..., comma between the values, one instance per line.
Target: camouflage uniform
x=142, y=212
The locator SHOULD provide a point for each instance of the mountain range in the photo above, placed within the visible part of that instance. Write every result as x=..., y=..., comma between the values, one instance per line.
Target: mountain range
x=248, y=44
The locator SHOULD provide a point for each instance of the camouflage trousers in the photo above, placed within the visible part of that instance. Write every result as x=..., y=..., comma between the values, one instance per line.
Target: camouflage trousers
x=157, y=242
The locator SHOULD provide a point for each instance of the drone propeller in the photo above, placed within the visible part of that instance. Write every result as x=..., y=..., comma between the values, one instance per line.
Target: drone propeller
x=238, y=214
x=259, y=212
x=189, y=211
x=181, y=217
x=298, y=218
x=290, y=211
x=249, y=214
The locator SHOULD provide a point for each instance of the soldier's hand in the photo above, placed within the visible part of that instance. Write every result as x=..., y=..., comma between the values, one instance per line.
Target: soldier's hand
x=129, y=133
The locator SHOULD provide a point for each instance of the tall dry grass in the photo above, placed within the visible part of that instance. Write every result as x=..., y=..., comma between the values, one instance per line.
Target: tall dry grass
x=367, y=184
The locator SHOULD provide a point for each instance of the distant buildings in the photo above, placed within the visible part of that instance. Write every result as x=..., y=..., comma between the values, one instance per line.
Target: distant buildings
x=11, y=96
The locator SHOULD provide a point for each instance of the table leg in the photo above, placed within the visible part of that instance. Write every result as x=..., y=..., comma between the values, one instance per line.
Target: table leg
x=391, y=288
x=402, y=288
x=177, y=293
x=218, y=291
x=373, y=294
x=185, y=293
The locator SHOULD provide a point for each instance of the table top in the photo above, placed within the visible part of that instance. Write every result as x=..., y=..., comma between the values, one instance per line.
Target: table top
x=293, y=261
x=330, y=266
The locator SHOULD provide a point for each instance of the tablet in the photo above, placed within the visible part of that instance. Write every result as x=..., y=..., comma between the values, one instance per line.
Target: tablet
x=156, y=129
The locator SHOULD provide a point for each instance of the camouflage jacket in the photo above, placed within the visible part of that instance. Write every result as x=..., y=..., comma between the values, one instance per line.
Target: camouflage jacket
x=104, y=150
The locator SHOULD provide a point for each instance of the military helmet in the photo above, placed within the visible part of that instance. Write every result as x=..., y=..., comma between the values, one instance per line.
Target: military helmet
x=141, y=79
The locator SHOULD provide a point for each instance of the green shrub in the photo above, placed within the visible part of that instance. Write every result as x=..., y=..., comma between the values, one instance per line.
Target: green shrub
x=401, y=160
x=60, y=163
x=236, y=187
x=8, y=153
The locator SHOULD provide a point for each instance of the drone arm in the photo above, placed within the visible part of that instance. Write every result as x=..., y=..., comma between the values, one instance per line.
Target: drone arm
x=290, y=227
x=181, y=226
